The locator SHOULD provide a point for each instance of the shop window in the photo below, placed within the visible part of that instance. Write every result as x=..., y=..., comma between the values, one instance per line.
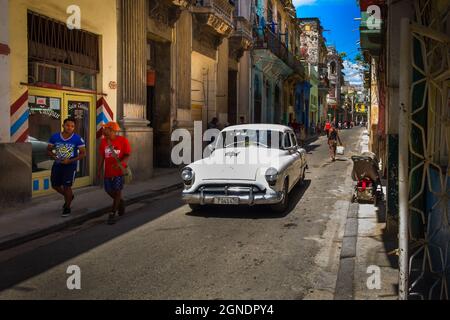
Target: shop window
x=44, y=120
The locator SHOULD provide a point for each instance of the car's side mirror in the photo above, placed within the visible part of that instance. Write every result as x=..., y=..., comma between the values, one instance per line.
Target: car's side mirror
x=301, y=150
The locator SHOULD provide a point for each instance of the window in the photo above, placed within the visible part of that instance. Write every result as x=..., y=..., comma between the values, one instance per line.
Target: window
x=333, y=67
x=66, y=77
x=47, y=74
x=83, y=81
x=49, y=40
x=293, y=139
x=44, y=120
x=250, y=137
x=287, y=141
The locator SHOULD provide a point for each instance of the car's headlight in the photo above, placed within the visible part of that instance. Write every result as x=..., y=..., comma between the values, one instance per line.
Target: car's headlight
x=272, y=176
x=187, y=175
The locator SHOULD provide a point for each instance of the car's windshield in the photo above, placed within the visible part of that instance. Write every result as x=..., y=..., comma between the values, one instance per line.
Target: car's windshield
x=249, y=137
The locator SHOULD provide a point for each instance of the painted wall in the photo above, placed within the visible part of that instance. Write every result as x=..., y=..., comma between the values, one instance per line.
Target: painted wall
x=104, y=25
x=4, y=75
x=314, y=94
x=309, y=40
x=203, y=87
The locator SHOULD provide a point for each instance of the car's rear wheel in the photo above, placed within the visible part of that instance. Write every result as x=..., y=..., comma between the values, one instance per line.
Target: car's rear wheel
x=283, y=205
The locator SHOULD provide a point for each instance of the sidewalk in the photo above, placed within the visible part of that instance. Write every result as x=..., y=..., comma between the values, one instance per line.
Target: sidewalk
x=42, y=216
x=368, y=247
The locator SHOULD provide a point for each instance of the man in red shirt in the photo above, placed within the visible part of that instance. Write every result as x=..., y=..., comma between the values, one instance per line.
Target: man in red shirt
x=113, y=173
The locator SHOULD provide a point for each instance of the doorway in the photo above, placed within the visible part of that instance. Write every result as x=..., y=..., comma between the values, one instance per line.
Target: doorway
x=47, y=111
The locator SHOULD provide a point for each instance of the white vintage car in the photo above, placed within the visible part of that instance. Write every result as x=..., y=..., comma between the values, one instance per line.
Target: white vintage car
x=249, y=165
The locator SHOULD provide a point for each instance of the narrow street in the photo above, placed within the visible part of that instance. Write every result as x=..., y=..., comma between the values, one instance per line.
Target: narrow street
x=162, y=250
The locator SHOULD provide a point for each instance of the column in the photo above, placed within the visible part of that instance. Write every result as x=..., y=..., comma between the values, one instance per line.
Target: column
x=133, y=94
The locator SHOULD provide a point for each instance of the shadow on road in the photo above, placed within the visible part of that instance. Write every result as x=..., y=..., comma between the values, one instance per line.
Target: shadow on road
x=255, y=212
x=89, y=236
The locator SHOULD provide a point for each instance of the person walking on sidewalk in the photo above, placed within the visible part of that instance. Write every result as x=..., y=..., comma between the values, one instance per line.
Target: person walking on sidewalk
x=333, y=138
x=114, y=153
x=66, y=148
x=327, y=127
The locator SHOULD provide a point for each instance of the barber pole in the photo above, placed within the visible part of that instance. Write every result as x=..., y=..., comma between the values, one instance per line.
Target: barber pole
x=19, y=119
x=104, y=115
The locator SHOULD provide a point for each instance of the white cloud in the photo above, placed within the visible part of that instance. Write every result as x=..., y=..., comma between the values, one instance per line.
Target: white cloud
x=353, y=73
x=298, y=3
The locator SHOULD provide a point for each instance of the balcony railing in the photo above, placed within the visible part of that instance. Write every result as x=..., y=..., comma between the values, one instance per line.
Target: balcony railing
x=242, y=28
x=271, y=41
x=220, y=9
x=242, y=38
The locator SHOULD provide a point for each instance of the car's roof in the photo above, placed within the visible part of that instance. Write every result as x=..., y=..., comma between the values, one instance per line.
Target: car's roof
x=259, y=126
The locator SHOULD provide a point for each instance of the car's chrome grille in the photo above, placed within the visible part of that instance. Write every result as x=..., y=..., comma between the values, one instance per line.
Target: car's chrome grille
x=230, y=189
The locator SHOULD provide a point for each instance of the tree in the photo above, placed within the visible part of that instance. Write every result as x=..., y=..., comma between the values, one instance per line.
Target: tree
x=343, y=55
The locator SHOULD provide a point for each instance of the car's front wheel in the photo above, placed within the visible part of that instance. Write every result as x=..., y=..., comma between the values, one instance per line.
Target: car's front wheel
x=283, y=205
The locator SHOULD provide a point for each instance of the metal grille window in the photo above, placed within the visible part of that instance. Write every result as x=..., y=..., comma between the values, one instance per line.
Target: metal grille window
x=52, y=42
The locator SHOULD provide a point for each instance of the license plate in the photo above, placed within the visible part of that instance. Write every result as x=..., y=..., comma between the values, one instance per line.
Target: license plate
x=228, y=200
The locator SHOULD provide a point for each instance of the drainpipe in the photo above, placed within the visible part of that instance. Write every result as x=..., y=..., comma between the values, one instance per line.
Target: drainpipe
x=403, y=152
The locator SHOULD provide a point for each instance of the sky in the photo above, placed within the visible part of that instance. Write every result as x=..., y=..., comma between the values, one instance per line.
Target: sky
x=337, y=16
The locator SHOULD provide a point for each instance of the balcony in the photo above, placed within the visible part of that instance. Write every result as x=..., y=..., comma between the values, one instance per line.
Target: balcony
x=296, y=64
x=241, y=39
x=166, y=12
x=217, y=14
x=324, y=82
x=272, y=42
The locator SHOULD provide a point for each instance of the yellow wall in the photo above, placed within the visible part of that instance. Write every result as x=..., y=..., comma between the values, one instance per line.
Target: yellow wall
x=98, y=17
x=200, y=65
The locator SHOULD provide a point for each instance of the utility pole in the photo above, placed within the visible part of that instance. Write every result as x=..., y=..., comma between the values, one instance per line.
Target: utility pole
x=403, y=183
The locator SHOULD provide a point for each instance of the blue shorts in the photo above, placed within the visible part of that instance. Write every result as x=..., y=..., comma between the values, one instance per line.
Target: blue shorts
x=114, y=184
x=63, y=175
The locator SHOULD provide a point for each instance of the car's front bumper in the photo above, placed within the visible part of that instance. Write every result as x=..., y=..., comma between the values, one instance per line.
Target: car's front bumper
x=204, y=197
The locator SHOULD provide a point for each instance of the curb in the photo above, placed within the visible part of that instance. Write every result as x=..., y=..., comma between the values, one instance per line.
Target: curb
x=89, y=215
x=346, y=274
x=344, y=282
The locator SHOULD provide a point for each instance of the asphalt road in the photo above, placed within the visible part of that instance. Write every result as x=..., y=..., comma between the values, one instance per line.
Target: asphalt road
x=162, y=250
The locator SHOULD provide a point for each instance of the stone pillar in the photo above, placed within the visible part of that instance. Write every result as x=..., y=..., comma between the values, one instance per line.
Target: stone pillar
x=244, y=87
x=222, y=82
x=181, y=71
x=133, y=85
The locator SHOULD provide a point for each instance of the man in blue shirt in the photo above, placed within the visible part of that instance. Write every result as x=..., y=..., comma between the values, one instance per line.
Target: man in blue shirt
x=66, y=148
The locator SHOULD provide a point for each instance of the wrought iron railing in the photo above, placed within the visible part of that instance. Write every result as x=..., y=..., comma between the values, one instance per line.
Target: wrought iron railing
x=272, y=41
